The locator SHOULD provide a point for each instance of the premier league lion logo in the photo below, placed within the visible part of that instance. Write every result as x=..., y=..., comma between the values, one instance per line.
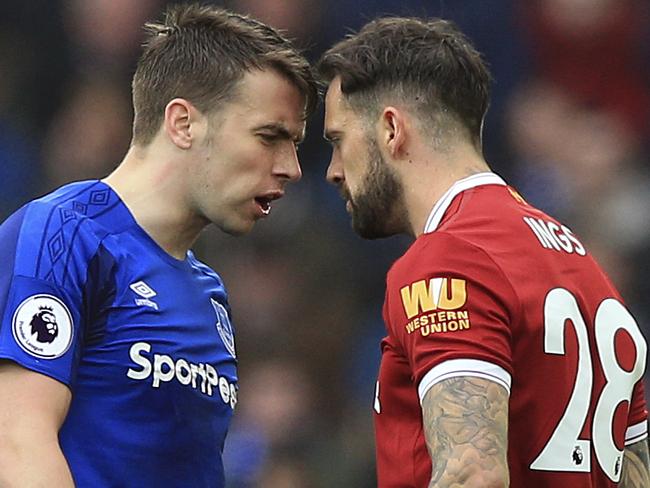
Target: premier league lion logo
x=44, y=325
x=577, y=456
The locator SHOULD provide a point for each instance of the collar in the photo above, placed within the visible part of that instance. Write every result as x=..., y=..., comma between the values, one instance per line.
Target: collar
x=441, y=206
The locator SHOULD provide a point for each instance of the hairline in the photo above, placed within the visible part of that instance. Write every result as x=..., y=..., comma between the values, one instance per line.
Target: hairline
x=435, y=126
x=214, y=108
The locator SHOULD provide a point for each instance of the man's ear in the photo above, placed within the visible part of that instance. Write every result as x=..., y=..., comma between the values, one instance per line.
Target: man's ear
x=393, y=131
x=179, y=117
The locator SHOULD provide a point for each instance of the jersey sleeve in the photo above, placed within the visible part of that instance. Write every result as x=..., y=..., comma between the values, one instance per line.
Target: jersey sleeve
x=450, y=307
x=637, y=422
x=46, y=254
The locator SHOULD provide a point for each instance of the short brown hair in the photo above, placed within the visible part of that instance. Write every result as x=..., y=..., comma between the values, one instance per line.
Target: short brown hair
x=428, y=63
x=200, y=53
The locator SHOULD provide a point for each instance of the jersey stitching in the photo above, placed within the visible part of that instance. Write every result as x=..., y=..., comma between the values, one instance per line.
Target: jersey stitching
x=100, y=246
x=76, y=233
x=49, y=218
x=43, y=238
x=70, y=247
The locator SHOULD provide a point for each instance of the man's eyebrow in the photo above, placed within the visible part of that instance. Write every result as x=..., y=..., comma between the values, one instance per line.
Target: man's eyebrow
x=283, y=132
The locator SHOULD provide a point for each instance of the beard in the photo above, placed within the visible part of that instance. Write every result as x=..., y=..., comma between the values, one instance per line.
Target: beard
x=378, y=209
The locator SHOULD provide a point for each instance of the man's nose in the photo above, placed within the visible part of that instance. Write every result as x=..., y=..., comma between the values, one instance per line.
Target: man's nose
x=290, y=166
x=334, y=173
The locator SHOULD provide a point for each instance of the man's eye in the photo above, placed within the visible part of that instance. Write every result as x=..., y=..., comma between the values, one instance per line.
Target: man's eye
x=269, y=138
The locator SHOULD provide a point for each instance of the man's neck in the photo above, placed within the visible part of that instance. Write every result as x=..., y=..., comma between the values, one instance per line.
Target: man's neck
x=428, y=180
x=152, y=186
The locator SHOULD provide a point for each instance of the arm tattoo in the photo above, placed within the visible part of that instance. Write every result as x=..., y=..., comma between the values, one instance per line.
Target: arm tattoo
x=636, y=466
x=466, y=430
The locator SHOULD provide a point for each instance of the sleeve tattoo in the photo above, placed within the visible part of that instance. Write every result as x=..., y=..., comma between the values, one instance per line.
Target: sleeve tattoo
x=636, y=466
x=466, y=430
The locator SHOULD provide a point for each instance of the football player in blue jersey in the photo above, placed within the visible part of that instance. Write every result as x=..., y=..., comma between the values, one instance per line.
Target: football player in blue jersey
x=117, y=355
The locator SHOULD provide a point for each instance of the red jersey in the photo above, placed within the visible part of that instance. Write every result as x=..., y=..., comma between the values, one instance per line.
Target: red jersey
x=497, y=289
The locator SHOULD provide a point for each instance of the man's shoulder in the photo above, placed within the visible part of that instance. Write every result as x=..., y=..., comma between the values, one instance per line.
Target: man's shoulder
x=79, y=200
x=68, y=206
x=436, y=250
x=506, y=227
x=86, y=206
x=50, y=231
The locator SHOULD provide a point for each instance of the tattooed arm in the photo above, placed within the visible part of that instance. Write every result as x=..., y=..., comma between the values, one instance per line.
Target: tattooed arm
x=466, y=429
x=636, y=466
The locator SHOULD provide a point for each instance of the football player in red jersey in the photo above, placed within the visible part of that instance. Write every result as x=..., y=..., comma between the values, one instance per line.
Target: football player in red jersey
x=510, y=358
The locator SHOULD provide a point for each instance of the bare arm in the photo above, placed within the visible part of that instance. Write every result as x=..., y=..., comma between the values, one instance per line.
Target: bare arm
x=32, y=409
x=466, y=429
x=636, y=466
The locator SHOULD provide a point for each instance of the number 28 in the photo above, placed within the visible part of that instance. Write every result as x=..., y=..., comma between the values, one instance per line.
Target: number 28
x=561, y=306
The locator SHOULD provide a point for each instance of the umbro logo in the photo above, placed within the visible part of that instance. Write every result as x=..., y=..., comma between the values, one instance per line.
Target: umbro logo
x=146, y=293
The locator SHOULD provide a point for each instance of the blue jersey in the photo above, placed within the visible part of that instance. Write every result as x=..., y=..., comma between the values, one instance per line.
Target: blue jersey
x=144, y=341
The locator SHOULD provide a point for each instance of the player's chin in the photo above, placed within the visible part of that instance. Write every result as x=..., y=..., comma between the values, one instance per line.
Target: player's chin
x=238, y=229
x=371, y=229
x=237, y=225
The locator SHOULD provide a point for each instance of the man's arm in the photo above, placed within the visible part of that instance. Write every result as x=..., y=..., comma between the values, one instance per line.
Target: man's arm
x=466, y=429
x=32, y=408
x=636, y=466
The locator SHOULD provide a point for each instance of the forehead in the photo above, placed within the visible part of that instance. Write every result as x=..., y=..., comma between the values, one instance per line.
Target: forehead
x=338, y=113
x=267, y=96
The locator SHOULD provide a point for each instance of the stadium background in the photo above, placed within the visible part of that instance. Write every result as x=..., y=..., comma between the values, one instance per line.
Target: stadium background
x=569, y=126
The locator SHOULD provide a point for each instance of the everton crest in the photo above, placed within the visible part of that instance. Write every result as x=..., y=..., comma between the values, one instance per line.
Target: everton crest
x=224, y=327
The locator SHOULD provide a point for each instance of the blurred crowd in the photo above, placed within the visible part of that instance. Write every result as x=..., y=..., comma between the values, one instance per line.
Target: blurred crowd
x=569, y=126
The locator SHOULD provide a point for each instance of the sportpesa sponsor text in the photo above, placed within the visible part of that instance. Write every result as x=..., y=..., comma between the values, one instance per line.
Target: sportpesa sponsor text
x=164, y=369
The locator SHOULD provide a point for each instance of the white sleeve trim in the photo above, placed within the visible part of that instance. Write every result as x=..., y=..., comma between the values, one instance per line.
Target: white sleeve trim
x=453, y=368
x=636, y=433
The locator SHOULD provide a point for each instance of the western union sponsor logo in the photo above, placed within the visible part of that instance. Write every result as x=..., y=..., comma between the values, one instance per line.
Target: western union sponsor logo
x=439, y=322
x=438, y=293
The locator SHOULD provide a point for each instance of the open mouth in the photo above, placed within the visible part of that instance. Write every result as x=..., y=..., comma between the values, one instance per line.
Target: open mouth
x=264, y=201
x=265, y=204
